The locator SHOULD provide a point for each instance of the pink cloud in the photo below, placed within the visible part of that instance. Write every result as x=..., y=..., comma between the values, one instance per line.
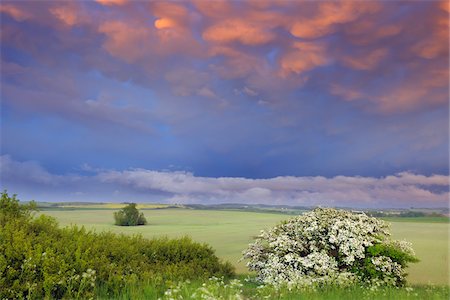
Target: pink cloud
x=214, y=9
x=125, y=41
x=346, y=93
x=67, y=14
x=368, y=32
x=112, y=2
x=235, y=40
x=237, y=64
x=330, y=14
x=422, y=87
x=14, y=11
x=302, y=57
x=436, y=43
x=239, y=30
x=365, y=60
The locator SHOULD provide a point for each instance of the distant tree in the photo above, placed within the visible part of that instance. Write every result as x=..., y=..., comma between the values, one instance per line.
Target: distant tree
x=129, y=216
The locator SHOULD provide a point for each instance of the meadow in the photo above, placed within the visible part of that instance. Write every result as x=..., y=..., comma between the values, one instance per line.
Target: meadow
x=229, y=233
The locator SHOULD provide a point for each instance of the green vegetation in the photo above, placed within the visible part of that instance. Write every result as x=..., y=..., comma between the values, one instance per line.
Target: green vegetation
x=39, y=260
x=418, y=219
x=230, y=232
x=247, y=288
x=129, y=216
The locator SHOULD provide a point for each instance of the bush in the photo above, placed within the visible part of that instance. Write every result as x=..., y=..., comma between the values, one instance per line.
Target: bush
x=129, y=216
x=40, y=260
x=10, y=208
x=329, y=246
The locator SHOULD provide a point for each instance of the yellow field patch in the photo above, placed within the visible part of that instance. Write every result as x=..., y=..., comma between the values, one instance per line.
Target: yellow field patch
x=115, y=205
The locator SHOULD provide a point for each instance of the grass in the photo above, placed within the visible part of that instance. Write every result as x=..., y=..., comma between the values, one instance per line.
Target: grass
x=217, y=289
x=431, y=243
x=229, y=233
x=418, y=219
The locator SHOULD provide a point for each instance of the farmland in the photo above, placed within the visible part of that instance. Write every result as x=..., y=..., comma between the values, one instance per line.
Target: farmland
x=229, y=232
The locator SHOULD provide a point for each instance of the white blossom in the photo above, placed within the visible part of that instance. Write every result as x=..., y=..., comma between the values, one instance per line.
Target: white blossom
x=323, y=246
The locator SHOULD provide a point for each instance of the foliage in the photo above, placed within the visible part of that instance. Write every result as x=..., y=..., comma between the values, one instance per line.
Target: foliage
x=129, y=216
x=228, y=233
x=329, y=247
x=40, y=260
x=10, y=207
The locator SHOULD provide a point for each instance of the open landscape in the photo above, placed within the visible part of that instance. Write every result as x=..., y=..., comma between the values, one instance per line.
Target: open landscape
x=172, y=255
x=224, y=149
x=230, y=232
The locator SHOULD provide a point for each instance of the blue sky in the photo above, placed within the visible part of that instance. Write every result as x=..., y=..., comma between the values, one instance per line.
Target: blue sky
x=121, y=100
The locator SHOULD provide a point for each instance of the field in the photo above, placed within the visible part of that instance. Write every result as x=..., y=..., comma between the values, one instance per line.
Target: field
x=229, y=232
x=89, y=206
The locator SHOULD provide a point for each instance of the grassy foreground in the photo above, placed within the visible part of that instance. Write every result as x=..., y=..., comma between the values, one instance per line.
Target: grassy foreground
x=229, y=233
x=241, y=289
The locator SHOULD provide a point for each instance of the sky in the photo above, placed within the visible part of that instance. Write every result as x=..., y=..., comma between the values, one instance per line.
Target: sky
x=276, y=102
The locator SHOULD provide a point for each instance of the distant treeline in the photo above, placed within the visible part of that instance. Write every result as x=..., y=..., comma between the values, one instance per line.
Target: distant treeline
x=295, y=210
x=403, y=214
x=284, y=209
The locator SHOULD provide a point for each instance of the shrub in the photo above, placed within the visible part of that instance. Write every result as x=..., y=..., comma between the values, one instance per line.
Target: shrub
x=10, y=207
x=329, y=246
x=129, y=216
x=40, y=260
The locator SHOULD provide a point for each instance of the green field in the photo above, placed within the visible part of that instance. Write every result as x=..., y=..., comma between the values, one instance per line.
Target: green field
x=229, y=232
x=418, y=219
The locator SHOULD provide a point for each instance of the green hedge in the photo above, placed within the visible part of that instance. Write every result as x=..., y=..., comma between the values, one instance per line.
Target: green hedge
x=38, y=259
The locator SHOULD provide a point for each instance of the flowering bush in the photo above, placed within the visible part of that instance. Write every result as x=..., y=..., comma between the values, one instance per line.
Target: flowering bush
x=329, y=246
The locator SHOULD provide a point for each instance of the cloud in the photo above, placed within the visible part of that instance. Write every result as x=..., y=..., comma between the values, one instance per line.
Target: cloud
x=238, y=30
x=214, y=9
x=436, y=43
x=236, y=64
x=66, y=15
x=421, y=88
x=253, y=42
x=302, y=57
x=320, y=86
x=346, y=93
x=249, y=91
x=124, y=40
x=27, y=172
x=165, y=23
x=329, y=15
x=400, y=190
x=13, y=11
x=112, y=2
x=206, y=92
x=403, y=189
x=367, y=61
